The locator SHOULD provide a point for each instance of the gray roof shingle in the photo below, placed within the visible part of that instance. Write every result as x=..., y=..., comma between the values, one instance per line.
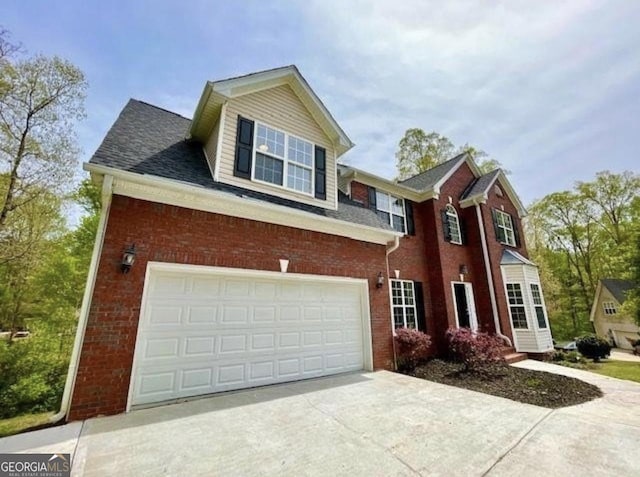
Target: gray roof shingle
x=427, y=179
x=618, y=288
x=146, y=139
x=481, y=184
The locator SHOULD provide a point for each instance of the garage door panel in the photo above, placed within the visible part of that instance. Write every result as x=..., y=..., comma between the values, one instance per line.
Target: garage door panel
x=202, y=334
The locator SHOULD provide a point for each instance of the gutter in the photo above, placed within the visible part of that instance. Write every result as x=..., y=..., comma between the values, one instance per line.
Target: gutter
x=487, y=266
x=390, y=249
x=107, y=193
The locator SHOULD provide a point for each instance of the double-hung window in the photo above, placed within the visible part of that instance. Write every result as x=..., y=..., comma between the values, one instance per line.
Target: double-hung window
x=403, y=304
x=516, y=306
x=391, y=210
x=504, y=228
x=283, y=160
x=538, y=305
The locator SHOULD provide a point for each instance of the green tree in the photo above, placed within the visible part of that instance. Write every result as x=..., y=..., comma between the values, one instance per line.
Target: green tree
x=40, y=101
x=419, y=151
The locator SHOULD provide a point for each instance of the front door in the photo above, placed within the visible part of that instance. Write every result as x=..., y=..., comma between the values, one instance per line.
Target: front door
x=465, y=306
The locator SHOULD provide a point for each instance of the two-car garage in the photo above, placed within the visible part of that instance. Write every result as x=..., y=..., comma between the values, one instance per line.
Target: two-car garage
x=204, y=330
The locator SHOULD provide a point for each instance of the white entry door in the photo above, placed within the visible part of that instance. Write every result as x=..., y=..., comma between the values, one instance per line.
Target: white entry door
x=204, y=330
x=465, y=305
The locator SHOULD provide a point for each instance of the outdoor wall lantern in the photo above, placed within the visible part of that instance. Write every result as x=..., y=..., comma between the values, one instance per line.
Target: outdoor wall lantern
x=464, y=270
x=128, y=257
x=380, y=280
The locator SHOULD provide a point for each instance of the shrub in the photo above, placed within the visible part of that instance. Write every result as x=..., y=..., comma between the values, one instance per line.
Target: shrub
x=593, y=347
x=475, y=350
x=558, y=356
x=573, y=357
x=412, y=347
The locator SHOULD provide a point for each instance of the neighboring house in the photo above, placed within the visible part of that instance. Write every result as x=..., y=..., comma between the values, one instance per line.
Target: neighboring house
x=259, y=259
x=608, y=320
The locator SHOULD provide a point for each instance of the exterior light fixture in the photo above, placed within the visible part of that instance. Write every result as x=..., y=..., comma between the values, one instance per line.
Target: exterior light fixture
x=128, y=257
x=464, y=270
x=284, y=265
x=380, y=280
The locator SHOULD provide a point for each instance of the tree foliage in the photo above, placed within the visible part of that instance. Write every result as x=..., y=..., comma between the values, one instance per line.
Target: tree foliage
x=579, y=237
x=419, y=151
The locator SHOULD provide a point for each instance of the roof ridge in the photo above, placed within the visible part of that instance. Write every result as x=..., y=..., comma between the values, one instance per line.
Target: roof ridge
x=159, y=108
x=455, y=158
x=257, y=73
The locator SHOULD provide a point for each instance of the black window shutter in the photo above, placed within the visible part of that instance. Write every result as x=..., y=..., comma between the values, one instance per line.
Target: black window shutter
x=463, y=229
x=372, y=198
x=244, y=148
x=421, y=318
x=516, y=231
x=408, y=210
x=499, y=232
x=321, y=173
x=445, y=226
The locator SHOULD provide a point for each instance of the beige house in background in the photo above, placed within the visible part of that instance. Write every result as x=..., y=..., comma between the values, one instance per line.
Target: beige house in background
x=608, y=320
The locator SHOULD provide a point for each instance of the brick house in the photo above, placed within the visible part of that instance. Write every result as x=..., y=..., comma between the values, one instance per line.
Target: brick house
x=258, y=258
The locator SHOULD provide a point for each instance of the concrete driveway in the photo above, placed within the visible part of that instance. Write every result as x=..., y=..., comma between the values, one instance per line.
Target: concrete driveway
x=359, y=424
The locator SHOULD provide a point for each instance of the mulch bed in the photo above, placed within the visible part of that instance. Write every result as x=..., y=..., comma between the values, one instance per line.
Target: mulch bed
x=518, y=384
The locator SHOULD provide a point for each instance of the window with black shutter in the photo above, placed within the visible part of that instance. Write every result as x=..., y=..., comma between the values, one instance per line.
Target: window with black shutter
x=504, y=228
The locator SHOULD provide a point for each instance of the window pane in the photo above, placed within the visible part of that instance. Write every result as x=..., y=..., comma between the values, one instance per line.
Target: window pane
x=384, y=216
x=300, y=151
x=268, y=169
x=411, y=318
x=542, y=322
x=270, y=141
x=535, y=294
x=397, y=206
x=518, y=317
x=382, y=201
x=299, y=178
x=398, y=317
x=398, y=223
x=514, y=293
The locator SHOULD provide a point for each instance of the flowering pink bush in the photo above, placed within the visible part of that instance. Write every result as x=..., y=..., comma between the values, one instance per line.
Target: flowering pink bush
x=474, y=350
x=412, y=347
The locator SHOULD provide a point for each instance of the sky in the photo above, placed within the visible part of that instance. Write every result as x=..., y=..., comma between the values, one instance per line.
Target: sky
x=551, y=89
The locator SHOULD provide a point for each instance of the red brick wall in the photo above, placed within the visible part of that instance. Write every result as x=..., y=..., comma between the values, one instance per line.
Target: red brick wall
x=496, y=249
x=173, y=234
x=360, y=193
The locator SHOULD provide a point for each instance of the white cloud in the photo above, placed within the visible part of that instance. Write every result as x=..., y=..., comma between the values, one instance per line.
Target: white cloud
x=519, y=79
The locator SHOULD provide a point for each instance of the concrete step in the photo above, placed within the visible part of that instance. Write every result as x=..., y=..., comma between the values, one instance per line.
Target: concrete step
x=515, y=357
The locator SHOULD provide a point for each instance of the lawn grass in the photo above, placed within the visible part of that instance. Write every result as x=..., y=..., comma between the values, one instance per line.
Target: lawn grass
x=18, y=424
x=619, y=369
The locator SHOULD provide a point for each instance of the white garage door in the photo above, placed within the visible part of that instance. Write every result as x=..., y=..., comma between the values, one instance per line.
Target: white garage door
x=209, y=330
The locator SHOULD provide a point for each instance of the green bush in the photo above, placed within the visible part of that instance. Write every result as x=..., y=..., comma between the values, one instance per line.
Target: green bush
x=32, y=375
x=592, y=347
x=558, y=356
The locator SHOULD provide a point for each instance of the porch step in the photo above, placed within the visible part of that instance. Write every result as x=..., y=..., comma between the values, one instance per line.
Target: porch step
x=515, y=357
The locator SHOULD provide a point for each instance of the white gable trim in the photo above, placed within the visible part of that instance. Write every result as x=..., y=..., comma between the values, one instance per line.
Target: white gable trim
x=255, y=82
x=596, y=300
x=181, y=194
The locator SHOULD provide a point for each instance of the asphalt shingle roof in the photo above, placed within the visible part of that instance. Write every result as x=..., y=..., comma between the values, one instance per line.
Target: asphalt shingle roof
x=617, y=287
x=427, y=179
x=146, y=139
x=481, y=184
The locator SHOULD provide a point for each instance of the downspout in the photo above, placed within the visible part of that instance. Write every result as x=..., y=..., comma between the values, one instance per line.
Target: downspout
x=390, y=249
x=487, y=266
x=107, y=191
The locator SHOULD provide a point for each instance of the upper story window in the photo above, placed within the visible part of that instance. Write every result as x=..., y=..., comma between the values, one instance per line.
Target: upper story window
x=391, y=209
x=516, y=306
x=453, y=223
x=609, y=308
x=283, y=159
x=505, y=229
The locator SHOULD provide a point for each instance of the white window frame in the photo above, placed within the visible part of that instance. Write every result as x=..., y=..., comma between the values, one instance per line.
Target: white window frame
x=471, y=304
x=507, y=226
x=609, y=308
x=285, y=160
x=522, y=305
x=452, y=216
x=404, y=304
x=538, y=305
x=390, y=211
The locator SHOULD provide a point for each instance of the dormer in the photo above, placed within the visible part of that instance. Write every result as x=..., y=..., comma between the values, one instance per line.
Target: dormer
x=269, y=132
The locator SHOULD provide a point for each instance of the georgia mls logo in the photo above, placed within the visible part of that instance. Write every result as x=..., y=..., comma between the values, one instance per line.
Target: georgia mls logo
x=35, y=465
